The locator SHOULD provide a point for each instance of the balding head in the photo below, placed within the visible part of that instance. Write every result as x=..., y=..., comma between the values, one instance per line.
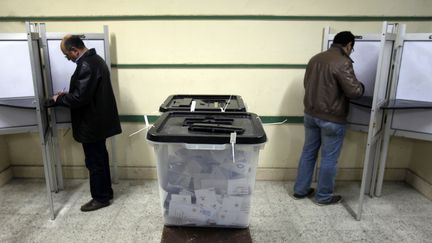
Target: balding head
x=72, y=46
x=72, y=41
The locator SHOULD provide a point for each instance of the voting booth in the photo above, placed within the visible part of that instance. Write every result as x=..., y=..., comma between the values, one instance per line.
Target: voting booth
x=25, y=85
x=58, y=75
x=400, y=103
x=22, y=94
x=206, y=164
x=409, y=108
x=372, y=66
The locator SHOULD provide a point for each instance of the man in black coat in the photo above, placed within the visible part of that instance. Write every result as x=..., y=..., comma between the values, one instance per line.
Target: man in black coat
x=94, y=115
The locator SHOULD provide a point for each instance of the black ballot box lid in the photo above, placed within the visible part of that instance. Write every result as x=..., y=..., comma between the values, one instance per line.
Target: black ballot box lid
x=207, y=128
x=183, y=102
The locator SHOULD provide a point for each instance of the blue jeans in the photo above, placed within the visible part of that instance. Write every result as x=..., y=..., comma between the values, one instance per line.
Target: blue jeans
x=329, y=136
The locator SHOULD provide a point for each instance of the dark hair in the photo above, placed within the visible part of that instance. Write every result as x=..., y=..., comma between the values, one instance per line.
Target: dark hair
x=344, y=38
x=74, y=41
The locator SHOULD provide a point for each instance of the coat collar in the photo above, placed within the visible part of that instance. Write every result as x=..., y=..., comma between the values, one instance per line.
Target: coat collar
x=340, y=48
x=89, y=52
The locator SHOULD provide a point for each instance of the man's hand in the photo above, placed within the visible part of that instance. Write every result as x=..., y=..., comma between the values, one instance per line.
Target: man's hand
x=57, y=95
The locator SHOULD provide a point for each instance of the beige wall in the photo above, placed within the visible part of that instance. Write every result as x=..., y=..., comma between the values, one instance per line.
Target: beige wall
x=5, y=170
x=215, y=7
x=421, y=163
x=267, y=92
x=4, y=154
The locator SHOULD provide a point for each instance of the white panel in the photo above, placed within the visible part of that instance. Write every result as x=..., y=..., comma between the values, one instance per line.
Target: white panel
x=15, y=69
x=415, y=76
x=365, y=59
x=61, y=68
x=16, y=117
x=419, y=121
x=415, y=83
x=359, y=115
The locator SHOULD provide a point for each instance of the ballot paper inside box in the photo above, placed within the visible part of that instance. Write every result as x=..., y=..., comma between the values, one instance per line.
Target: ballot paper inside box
x=206, y=164
x=206, y=187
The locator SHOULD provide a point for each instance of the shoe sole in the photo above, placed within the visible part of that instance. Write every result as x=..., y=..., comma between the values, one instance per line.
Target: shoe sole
x=94, y=209
x=310, y=194
x=328, y=204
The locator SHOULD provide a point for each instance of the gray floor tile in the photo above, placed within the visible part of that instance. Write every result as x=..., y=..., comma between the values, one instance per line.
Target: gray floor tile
x=400, y=215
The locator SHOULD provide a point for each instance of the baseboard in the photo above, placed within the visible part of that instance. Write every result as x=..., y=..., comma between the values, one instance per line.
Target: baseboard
x=421, y=185
x=138, y=172
x=5, y=176
x=343, y=174
x=27, y=171
x=81, y=172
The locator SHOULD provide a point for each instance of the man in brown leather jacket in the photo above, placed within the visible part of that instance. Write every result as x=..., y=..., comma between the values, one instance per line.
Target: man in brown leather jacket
x=94, y=115
x=329, y=84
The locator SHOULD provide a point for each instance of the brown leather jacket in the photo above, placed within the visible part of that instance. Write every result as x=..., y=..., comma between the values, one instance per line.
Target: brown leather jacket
x=329, y=83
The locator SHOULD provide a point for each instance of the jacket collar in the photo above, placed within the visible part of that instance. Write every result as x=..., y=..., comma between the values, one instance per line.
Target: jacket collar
x=89, y=52
x=340, y=48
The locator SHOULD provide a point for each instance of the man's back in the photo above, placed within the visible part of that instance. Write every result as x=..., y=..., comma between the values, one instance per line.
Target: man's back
x=329, y=83
x=91, y=99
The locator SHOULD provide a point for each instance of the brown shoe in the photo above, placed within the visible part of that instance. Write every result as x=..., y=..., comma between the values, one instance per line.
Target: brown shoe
x=93, y=205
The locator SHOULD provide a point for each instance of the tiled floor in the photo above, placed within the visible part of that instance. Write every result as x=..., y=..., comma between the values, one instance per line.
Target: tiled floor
x=400, y=215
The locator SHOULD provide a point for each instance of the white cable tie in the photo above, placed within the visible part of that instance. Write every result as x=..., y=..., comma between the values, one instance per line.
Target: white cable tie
x=276, y=123
x=226, y=105
x=193, y=104
x=147, y=125
x=142, y=129
x=233, y=138
x=146, y=121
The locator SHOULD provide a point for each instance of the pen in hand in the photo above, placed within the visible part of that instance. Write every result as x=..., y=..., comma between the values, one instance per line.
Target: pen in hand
x=61, y=92
x=58, y=94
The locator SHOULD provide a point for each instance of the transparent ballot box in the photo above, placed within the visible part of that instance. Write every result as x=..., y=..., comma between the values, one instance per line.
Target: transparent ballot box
x=206, y=165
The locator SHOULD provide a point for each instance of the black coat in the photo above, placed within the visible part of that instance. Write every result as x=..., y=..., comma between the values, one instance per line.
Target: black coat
x=91, y=100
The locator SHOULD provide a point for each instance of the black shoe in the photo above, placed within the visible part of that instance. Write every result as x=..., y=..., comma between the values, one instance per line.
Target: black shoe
x=93, y=205
x=308, y=194
x=334, y=200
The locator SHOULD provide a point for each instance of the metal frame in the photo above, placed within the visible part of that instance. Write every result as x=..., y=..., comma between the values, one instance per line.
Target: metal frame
x=46, y=36
x=43, y=124
x=376, y=124
x=389, y=131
